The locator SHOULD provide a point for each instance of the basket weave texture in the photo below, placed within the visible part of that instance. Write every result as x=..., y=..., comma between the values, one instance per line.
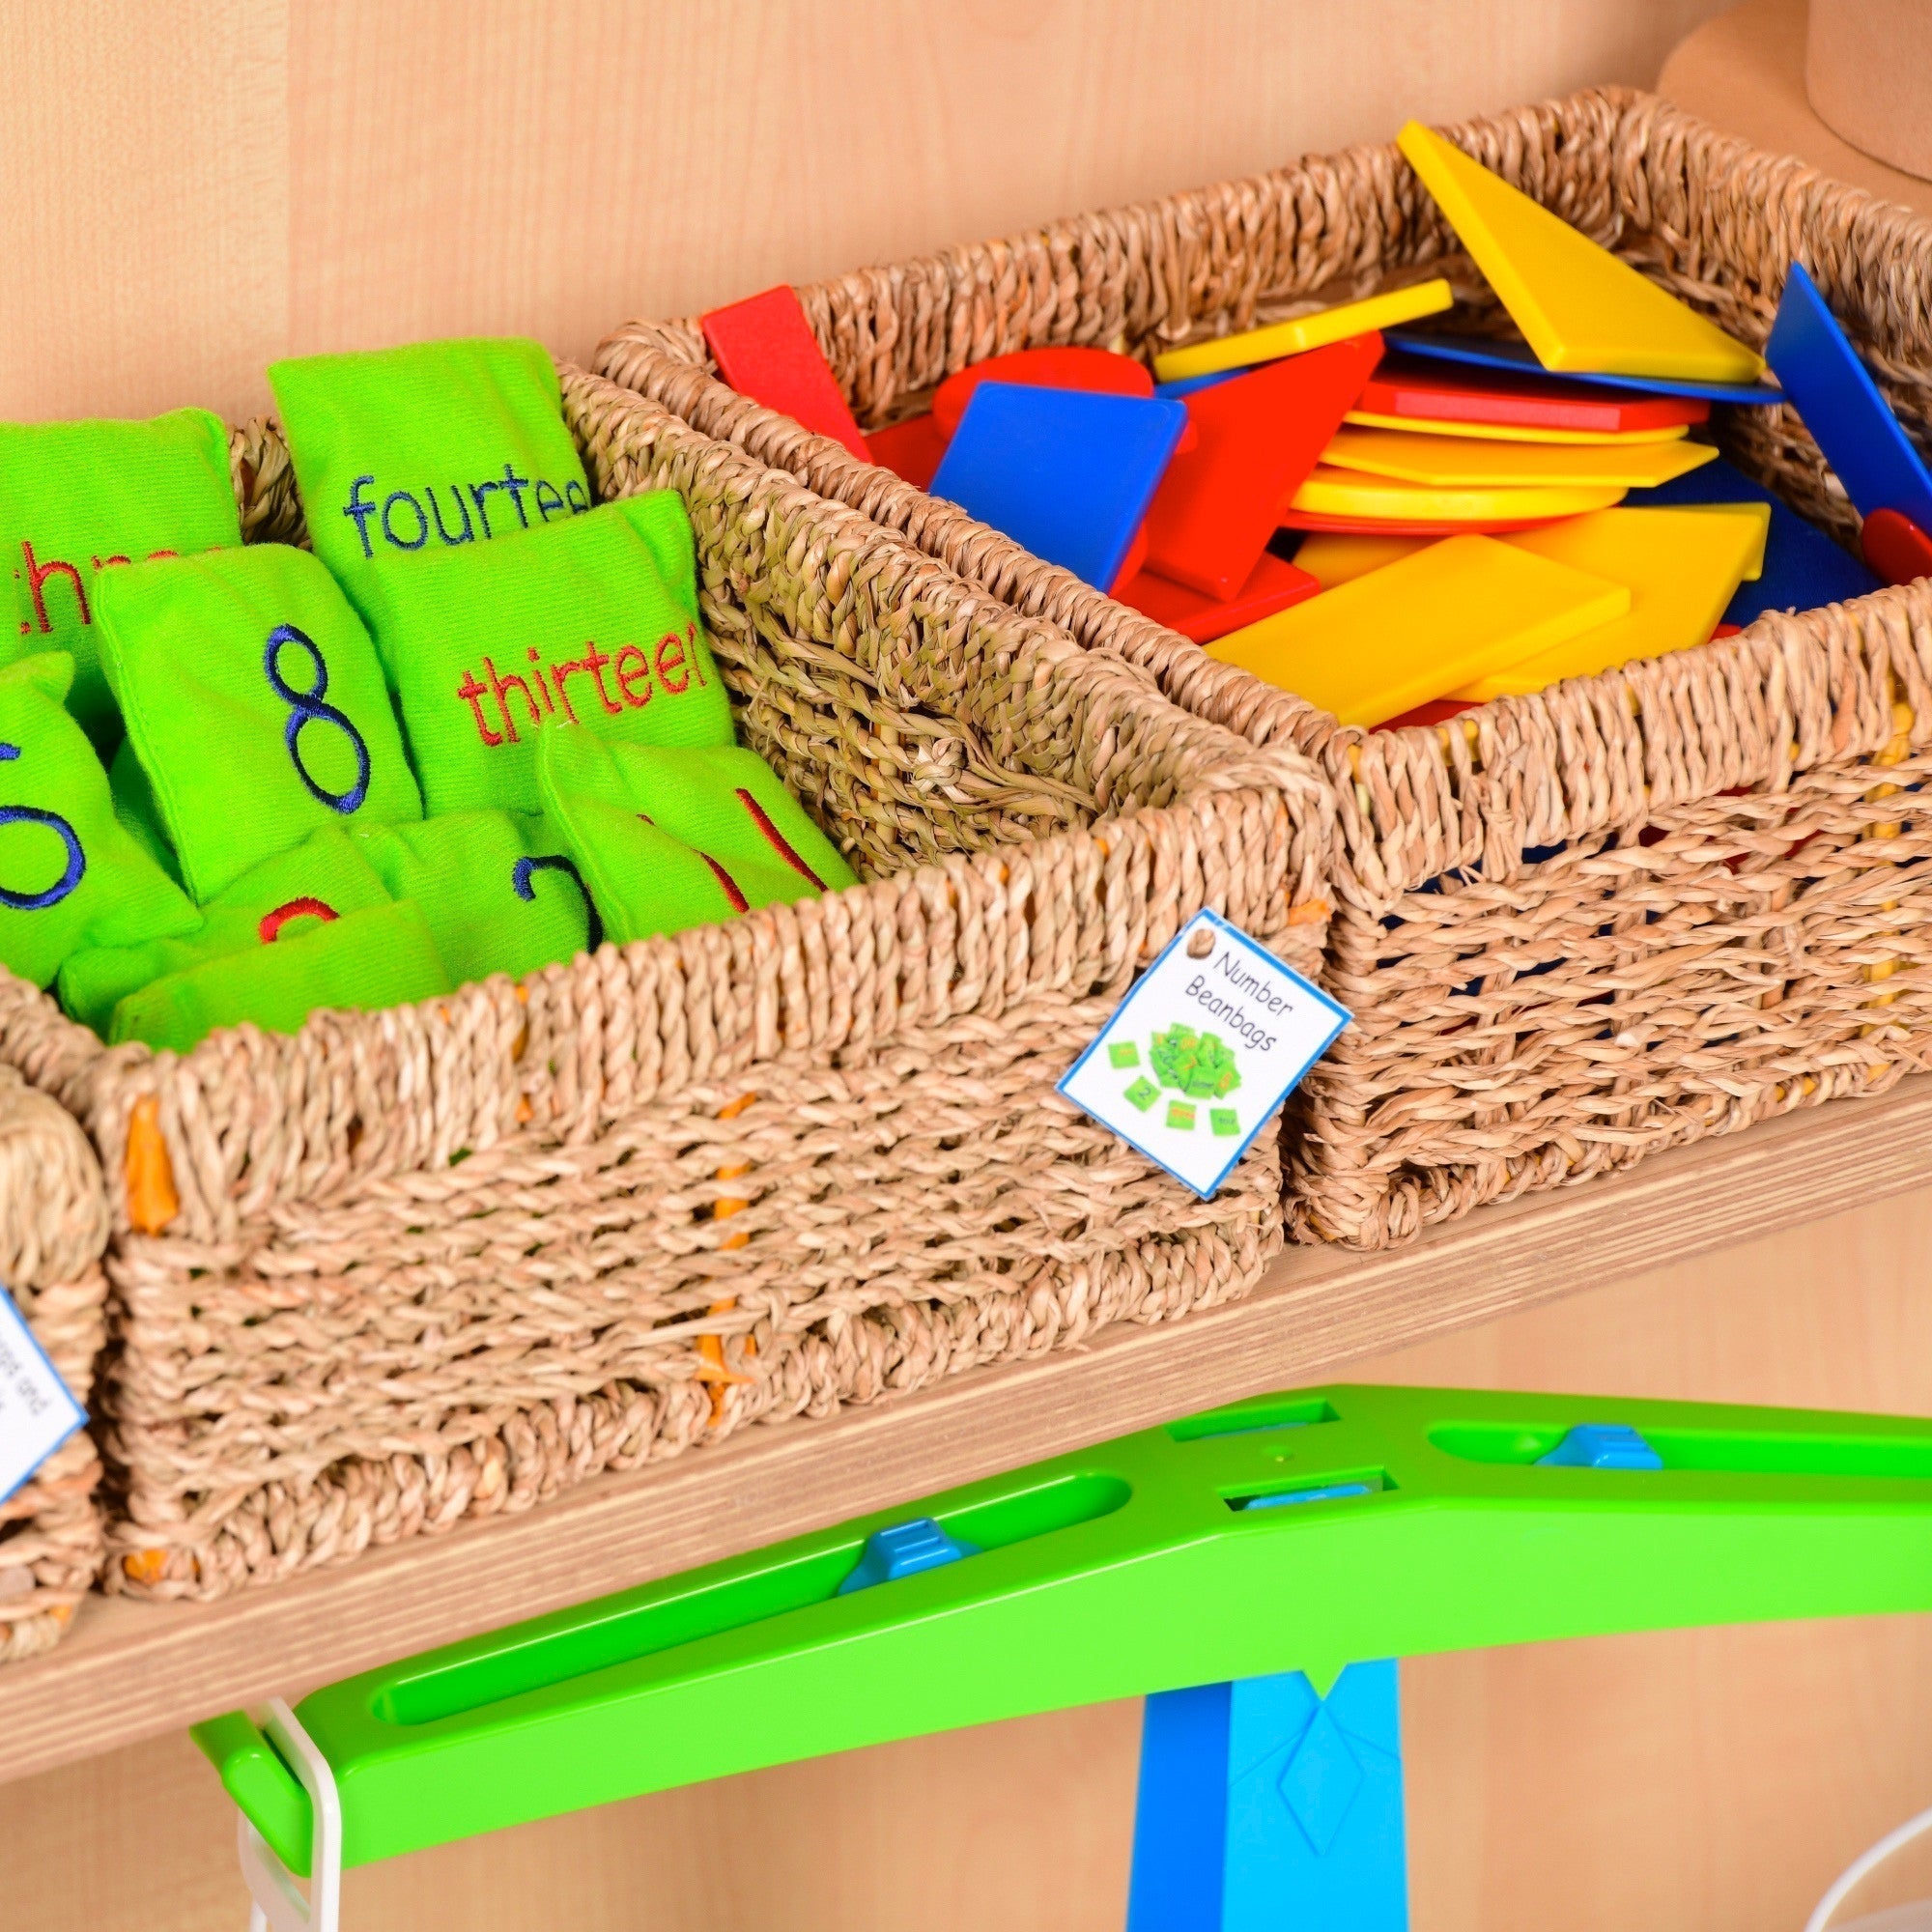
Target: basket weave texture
x=1574, y=928
x=408, y=1266
x=54, y=1228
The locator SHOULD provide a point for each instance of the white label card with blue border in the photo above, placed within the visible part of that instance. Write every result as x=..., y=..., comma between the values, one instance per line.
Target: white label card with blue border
x=1214, y=1038
x=37, y=1413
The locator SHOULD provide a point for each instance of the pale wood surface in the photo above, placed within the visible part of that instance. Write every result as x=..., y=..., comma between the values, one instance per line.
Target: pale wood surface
x=1745, y=72
x=195, y=187
x=129, y=1670
x=1711, y=1779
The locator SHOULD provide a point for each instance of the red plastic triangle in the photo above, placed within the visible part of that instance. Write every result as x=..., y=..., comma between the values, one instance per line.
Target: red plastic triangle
x=1272, y=585
x=1259, y=436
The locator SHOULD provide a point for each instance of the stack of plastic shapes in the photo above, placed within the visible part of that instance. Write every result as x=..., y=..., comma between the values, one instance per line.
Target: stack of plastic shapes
x=1423, y=627
x=1682, y=568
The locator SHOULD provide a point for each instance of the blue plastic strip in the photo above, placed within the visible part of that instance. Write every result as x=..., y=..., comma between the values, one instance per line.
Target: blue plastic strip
x=1181, y=1814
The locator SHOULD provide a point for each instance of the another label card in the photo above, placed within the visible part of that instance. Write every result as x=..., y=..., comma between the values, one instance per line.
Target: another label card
x=1214, y=1038
x=37, y=1413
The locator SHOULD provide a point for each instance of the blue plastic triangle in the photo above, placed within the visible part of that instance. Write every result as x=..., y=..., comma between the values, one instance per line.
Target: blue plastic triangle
x=1841, y=405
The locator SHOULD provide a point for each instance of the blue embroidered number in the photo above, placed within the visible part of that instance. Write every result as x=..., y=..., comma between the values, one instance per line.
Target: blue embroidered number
x=307, y=707
x=76, y=858
x=523, y=884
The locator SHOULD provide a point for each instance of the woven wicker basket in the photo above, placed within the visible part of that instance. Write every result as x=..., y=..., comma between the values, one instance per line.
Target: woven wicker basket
x=53, y=1228
x=1625, y=913
x=444, y=1261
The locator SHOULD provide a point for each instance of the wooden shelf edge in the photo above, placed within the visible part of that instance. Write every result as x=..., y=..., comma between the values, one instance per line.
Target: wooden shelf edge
x=131, y=1670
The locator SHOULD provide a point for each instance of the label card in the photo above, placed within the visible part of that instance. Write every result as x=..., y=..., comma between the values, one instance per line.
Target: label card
x=1194, y=1062
x=37, y=1413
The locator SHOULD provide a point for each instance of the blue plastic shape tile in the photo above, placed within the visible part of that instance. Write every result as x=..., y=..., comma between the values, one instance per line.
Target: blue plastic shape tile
x=1326, y=1492
x=904, y=1549
x=1803, y=567
x=1841, y=405
x=1602, y=1445
x=1181, y=1814
x=1479, y=352
x=1066, y=473
x=1315, y=1833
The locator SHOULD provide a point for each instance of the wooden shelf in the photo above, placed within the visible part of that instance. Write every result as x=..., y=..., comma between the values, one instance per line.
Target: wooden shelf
x=129, y=1670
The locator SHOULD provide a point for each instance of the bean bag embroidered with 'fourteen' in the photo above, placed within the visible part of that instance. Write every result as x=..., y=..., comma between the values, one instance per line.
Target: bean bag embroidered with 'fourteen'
x=362, y=961
x=593, y=622
x=665, y=839
x=403, y=453
x=254, y=701
x=326, y=877
x=71, y=876
x=79, y=496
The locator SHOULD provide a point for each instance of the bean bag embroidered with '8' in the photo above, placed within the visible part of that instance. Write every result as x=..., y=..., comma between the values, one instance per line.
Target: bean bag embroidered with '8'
x=254, y=704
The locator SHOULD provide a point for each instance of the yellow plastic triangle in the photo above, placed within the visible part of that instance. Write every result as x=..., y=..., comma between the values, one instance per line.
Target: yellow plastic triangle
x=1305, y=333
x=1681, y=567
x=1469, y=463
x=1577, y=306
x=1329, y=492
x=1332, y=557
x=1515, y=432
x=1419, y=628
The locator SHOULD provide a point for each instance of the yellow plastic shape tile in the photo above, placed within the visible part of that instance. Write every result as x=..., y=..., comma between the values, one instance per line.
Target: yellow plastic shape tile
x=1681, y=566
x=1754, y=569
x=1329, y=492
x=1306, y=332
x=1615, y=438
x=1333, y=557
x=1422, y=627
x=1577, y=306
x=1469, y=463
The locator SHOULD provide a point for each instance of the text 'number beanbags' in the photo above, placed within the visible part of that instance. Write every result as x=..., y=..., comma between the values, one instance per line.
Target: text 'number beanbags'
x=253, y=698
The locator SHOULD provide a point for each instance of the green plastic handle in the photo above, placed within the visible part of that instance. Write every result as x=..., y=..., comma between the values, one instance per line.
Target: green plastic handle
x=1153, y=1562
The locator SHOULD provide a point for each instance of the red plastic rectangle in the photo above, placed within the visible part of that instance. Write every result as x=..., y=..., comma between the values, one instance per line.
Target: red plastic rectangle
x=1404, y=387
x=1272, y=585
x=1258, y=437
x=765, y=349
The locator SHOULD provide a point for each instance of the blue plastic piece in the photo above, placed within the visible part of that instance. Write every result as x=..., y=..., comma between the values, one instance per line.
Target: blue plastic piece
x=1185, y=386
x=1264, y=1807
x=1602, y=1445
x=1066, y=473
x=1315, y=1805
x=1803, y=567
x=1519, y=358
x=1323, y=1494
x=1841, y=405
x=904, y=1549
x=1181, y=1814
